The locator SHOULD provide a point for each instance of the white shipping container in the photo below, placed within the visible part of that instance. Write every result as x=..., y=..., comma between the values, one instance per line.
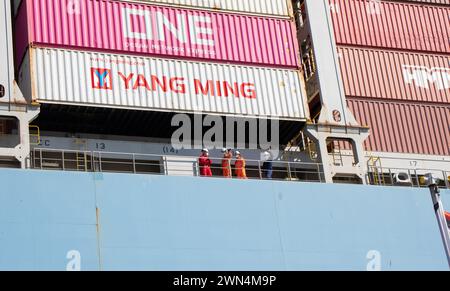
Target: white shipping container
x=134, y=82
x=275, y=8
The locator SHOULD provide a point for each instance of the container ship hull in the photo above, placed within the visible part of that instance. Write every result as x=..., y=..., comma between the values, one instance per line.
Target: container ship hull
x=65, y=221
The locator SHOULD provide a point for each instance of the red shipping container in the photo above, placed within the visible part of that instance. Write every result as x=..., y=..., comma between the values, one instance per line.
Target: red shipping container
x=395, y=75
x=399, y=25
x=402, y=127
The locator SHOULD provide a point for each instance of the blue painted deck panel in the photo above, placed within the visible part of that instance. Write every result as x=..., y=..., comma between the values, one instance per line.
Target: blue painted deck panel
x=137, y=222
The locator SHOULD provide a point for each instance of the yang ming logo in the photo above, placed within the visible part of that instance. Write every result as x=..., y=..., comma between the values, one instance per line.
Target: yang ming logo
x=101, y=79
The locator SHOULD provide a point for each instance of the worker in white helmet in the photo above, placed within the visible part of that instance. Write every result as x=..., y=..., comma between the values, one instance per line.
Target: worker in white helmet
x=239, y=165
x=226, y=163
x=205, y=164
x=267, y=168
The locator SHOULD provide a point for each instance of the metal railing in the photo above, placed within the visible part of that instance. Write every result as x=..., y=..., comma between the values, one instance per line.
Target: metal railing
x=388, y=176
x=115, y=162
x=91, y=161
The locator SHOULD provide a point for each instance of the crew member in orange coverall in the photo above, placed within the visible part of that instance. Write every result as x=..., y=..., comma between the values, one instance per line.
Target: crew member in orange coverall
x=447, y=217
x=205, y=164
x=226, y=163
x=240, y=166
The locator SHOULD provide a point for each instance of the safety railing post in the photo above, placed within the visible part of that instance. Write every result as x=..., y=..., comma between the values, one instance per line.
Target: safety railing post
x=100, y=162
x=40, y=158
x=446, y=179
x=134, y=163
x=63, y=160
x=417, y=178
x=33, y=156
x=92, y=162
x=375, y=176
x=380, y=176
x=97, y=163
x=289, y=170
x=260, y=170
x=85, y=161
x=165, y=170
x=390, y=176
x=319, y=173
x=410, y=176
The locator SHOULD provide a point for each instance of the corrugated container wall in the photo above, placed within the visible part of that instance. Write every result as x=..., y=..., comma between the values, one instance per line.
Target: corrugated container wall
x=400, y=127
x=397, y=25
x=271, y=8
x=395, y=75
x=275, y=8
x=395, y=64
x=124, y=27
x=132, y=82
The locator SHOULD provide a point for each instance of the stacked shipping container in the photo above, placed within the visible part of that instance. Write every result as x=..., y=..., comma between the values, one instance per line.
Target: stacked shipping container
x=126, y=28
x=150, y=55
x=395, y=63
x=273, y=8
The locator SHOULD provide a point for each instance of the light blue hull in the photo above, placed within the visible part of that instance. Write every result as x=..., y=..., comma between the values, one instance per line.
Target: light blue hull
x=133, y=222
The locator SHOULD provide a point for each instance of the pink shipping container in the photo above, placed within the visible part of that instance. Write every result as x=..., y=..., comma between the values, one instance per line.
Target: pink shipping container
x=401, y=127
x=395, y=75
x=144, y=29
x=387, y=24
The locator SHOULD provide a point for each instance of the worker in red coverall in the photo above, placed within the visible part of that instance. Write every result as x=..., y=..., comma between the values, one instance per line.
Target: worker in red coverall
x=239, y=165
x=205, y=164
x=226, y=163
